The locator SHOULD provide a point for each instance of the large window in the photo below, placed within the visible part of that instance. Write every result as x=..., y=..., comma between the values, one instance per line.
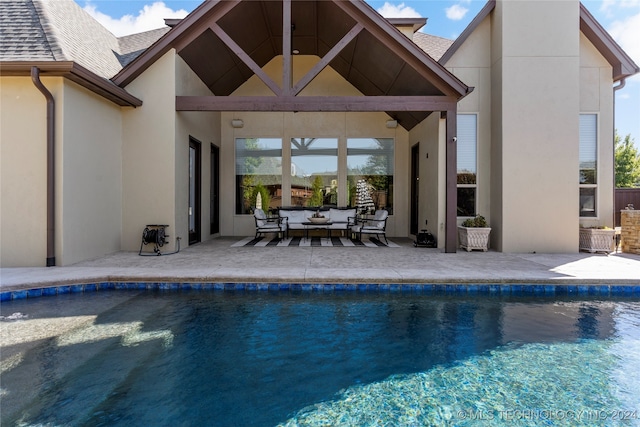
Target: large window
x=467, y=164
x=370, y=173
x=258, y=174
x=314, y=172
x=588, y=165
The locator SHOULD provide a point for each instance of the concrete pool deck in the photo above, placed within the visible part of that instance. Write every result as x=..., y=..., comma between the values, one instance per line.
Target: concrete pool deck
x=216, y=261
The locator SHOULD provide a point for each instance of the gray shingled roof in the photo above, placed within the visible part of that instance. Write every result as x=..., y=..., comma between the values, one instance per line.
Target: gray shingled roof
x=60, y=30
x=133, y=45
x=22, y=37
x=434, y=46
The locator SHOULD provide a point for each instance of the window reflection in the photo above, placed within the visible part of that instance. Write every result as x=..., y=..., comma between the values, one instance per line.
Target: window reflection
x=370, y=173
x=258, y=174
x=314, y=172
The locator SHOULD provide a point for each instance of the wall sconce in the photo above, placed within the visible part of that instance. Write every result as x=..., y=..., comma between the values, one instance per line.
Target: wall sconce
x=392, y=124
x=237, y=123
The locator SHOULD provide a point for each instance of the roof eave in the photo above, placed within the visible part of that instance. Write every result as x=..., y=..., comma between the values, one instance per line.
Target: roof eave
x=163, y=45
x=484, y=12
x=75, y=73
x=450, y=79
x=182, y=28
x=623, y=66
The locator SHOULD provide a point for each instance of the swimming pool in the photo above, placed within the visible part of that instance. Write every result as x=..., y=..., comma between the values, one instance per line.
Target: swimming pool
x=237, y=358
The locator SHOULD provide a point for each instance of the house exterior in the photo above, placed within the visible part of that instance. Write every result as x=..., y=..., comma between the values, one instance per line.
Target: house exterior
x=101, y=136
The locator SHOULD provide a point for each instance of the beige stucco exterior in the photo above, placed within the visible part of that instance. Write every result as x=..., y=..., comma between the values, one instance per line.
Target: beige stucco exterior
x=121, y=168
x=23, y=159
x=88, y=180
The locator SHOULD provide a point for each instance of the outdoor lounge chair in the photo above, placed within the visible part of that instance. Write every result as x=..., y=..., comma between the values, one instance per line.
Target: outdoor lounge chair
x=376, y=225
x=266, y=224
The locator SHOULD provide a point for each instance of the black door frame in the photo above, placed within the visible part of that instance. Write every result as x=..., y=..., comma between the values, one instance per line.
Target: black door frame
x=415, y=180
x=195, y=186
x=214, y=202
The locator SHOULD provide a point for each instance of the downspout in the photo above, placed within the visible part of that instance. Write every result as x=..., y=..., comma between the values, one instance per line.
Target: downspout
x=35, y=77
x=622, y=83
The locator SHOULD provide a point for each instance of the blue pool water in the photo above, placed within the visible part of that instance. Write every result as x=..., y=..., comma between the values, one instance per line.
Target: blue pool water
x=128, y=358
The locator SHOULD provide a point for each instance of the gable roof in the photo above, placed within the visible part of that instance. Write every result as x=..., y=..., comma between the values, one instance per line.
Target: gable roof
x=62, y=39
x=623, y=66
x=350, y=37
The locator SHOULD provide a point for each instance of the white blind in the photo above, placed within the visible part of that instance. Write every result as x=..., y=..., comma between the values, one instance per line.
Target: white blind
x=467, y=143
x=588, y=141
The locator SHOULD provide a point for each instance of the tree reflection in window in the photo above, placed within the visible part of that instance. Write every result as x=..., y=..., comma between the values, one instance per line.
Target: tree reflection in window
x=371, y=160
x=314, y=172
x=258, y=171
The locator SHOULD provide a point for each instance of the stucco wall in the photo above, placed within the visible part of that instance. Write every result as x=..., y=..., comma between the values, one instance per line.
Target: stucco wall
x=596, y=97
x=90, y=176
x=430, y=135
x=289, y=125
x=23, y=163
x=149, y=158
x=472, y=64
x=204, y=127
x=87, y=173
x=539, y=55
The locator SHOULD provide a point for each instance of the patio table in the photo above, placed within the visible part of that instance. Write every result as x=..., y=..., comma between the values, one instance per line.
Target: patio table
x=315, y=225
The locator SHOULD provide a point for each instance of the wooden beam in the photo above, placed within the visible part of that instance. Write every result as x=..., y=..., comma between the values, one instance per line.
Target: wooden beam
x=451, y=198
x=287, y=62
x=335, y=50
x=409, y=52
x=315, y=103
x=181, y=35
x=244, y=57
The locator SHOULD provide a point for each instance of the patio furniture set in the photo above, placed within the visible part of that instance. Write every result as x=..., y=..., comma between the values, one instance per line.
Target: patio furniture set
x=344, y=220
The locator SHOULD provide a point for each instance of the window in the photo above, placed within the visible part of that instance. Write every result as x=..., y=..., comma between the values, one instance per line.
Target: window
x=467, y=164
x=588, y=164
x=370, y=173
x=258, y=174
x=314, y=172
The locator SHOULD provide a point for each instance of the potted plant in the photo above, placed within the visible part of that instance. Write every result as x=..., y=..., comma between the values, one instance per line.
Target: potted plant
x=597, y=239
x=474, y=234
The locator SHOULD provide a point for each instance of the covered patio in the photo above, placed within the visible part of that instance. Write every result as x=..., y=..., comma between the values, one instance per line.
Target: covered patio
x=389, y=73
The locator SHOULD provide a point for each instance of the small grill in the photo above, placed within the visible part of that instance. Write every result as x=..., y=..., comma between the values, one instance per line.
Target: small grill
x=155, y=234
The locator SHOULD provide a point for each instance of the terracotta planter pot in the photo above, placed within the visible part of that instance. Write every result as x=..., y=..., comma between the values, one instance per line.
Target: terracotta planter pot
x=597, y=240
x=471, y=238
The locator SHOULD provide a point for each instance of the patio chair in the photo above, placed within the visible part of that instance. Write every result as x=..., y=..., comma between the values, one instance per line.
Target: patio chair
x=266, y=224
x=376, y=225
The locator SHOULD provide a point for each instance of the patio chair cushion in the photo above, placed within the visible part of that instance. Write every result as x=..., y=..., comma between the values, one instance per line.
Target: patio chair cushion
x=261, y=218
x=378, y=219
x=341, y=215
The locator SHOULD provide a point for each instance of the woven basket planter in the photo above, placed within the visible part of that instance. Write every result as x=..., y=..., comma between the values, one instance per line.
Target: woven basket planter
x=474, y=238
x=597, y=240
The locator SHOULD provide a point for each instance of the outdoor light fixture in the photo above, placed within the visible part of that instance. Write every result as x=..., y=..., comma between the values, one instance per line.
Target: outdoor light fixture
x=237, y=123
x=295, y=51
x=392, y=124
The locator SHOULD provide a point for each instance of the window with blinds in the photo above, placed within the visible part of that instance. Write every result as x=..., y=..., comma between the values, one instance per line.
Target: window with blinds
x=588, y=157
x=467, y=131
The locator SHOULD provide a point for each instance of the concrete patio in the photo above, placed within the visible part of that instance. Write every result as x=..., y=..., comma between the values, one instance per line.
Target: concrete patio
x=217, y=262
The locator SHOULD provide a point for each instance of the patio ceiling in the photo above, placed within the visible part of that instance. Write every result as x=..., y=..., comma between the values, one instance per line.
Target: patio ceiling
x=226, y=42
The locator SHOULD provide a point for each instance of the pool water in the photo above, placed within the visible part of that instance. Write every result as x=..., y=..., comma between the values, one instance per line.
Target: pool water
x=126, y=358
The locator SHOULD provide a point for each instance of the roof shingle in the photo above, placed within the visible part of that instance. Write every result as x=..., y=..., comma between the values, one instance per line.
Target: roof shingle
x=60, y=30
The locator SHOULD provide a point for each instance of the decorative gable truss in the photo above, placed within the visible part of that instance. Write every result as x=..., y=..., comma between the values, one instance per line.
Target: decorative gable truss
x=227, y=42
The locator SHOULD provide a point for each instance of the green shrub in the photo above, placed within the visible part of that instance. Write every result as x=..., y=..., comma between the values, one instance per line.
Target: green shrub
x=479, y=221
